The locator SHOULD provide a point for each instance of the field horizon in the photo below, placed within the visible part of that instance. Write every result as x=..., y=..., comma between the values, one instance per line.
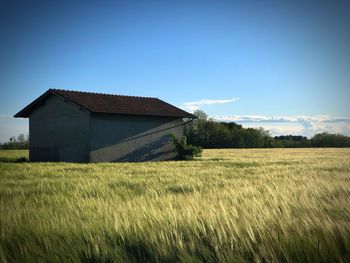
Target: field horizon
x=230, y=205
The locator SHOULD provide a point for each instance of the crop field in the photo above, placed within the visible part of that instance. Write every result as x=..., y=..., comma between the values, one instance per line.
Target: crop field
x=256, y=205
x=13, y=155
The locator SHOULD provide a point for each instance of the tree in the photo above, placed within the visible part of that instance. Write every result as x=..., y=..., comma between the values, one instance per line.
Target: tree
x=20, y=143
x=186, y=151
x=330, y=140
x=21, y=138
x=200, y=114
x=208, y=133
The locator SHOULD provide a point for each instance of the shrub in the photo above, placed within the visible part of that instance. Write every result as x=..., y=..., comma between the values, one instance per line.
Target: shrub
x=185, y=151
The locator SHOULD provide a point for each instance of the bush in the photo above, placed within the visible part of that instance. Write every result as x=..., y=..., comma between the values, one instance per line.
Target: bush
x=186, y=151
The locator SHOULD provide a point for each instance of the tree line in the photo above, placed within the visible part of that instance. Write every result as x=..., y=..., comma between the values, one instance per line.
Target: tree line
x=21, y=142
x=208, y=133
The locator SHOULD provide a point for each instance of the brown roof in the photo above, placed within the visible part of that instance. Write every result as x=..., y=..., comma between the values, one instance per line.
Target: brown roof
x=107, y=103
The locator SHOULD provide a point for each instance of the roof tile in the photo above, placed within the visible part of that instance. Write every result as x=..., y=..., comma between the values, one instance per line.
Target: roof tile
x=115, y=104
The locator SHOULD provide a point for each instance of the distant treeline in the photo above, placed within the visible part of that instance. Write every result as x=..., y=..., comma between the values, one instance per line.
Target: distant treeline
x=21, y=142
x=208, y=133
x=212, y=134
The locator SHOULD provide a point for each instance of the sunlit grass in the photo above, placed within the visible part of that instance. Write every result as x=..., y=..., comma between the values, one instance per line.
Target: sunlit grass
x=13, y=155
x=228, y=206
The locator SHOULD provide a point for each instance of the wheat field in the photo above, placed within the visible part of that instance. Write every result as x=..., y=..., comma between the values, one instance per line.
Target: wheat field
x=253, y=205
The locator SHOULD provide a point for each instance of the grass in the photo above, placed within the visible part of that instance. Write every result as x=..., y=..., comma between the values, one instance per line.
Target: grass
x=258, y=205
x=13, y=155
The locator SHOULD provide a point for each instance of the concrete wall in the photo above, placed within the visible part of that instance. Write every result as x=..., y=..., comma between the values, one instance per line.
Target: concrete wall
x=59, y=131
x=132, y=138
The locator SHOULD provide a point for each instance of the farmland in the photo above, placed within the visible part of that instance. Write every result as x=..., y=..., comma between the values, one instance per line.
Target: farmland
x=253, y=205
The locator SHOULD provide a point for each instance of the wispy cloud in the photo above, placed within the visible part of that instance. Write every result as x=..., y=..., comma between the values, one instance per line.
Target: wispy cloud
x=195, y=105
x=306, y=125
x=261, y=118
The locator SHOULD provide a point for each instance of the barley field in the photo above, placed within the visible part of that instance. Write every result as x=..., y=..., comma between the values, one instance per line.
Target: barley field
x=13, y=155
x=256, y=205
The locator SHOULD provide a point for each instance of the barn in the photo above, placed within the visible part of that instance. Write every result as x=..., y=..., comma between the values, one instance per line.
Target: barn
x=74, y=126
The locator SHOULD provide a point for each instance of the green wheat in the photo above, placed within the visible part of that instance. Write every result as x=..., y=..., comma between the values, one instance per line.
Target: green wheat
x=256, y=205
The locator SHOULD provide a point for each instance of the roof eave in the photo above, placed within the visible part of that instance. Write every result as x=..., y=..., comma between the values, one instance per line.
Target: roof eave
x=190, y=116
x=24, y=113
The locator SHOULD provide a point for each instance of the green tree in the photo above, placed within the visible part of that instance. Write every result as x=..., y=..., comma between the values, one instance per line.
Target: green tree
x=186, y=151
x=200, y=114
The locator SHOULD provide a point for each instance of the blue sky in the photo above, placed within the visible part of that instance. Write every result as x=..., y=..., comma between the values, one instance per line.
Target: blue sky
x=281, y=65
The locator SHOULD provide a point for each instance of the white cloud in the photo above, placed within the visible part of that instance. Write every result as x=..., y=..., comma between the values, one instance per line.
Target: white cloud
x=296, y=125
x=195, y=105
x=301, y=118
x=189, y=108
x=279, y=128
x=207, y=102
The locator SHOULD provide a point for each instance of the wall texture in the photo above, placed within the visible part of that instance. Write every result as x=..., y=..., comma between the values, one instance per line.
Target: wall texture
x=59, y=131
x=132, y=138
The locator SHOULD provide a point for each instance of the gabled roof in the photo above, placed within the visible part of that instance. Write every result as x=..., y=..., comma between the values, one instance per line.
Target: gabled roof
x=108, y=103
